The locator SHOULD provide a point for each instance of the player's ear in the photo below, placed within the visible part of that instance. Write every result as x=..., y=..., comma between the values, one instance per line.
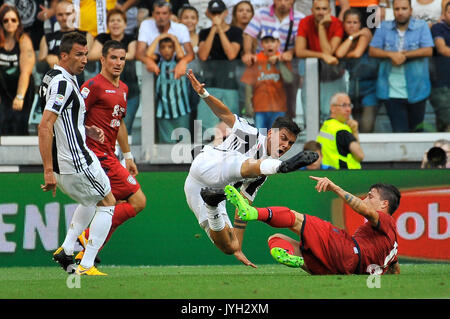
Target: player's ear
x=385, y=204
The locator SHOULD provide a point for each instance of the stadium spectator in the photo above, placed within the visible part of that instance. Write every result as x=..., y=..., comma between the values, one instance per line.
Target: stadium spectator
x=102, y=109
x=189, y=17
x=318, y=36
x=324, y=249
x=171, y=95
x=17, y=59
x=242, y=14
x=117, y=21
x=339, y=135
x=219, y=48
x=73, y=167
x=436, y=158
x=256, y=4
x=280, y=17
x=429, y=11
x=443, y=144
x=49, y=45
x=33, y=13
x=404, y=46
x=234, y=161
x=440, y=88
x=148, y=6
x=362, y=69
x=150, y=29
x=315, y=147
x=372, y=11
x=266, y=77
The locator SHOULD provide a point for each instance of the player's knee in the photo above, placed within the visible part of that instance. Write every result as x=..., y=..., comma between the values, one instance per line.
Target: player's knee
x=274, y=236
x=139, y=202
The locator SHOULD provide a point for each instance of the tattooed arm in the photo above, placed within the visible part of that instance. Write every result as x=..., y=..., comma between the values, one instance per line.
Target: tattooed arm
x=358, y=205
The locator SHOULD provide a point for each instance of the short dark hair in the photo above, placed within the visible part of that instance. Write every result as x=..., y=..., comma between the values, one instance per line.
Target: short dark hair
x=186, y=7
x=390, y=193
x=162, y=3
x=116, y=11
x=166, y=40
x=69, y=39
x=408, y=1
x=112, y=44
x=285, y=122
x=446, y=6
x=353, y=11
x=437, y=157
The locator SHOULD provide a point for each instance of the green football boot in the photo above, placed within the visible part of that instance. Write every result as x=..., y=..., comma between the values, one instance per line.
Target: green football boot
x=245, y=211
x=281, y=256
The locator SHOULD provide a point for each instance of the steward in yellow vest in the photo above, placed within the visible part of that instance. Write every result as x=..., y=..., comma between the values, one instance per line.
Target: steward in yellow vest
x=339, y=140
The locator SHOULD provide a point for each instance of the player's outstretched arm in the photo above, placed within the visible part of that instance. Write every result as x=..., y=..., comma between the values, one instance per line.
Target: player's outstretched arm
x=45, y=134
x=217, y=106
x=324, y=184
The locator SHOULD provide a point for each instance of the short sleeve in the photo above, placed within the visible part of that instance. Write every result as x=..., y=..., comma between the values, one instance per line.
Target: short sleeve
x=87, y=92
x=337, y=29
x=58, y=94
x=302, y=28
x=437, y=31
x=254, y=27
x=343, y=140
x=426, y=39
x=242, y=125
x=182, y=33
x=378, y=39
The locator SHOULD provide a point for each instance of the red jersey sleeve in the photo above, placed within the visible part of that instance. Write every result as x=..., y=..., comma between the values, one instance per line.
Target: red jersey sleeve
x=87, y=92
x=336, y=28
x=303, y=27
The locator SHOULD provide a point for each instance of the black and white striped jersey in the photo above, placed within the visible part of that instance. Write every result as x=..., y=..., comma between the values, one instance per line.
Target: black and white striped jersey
x=245, y=139
x=61, y=95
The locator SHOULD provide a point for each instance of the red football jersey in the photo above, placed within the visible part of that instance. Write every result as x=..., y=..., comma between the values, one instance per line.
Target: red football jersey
x=378, y=244
x=106, y=105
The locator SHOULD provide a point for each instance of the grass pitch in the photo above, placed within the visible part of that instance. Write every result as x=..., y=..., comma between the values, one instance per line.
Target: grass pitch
x=221, y=282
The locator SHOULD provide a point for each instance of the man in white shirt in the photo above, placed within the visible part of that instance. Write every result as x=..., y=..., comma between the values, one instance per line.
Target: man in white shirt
x=246, y=157
x=161, y=23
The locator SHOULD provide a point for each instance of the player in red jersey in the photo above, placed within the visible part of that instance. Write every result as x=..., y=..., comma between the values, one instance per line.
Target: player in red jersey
x=106, y=105
x=325, y=249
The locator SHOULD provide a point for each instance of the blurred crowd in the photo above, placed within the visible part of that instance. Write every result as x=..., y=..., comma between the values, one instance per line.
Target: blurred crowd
x=251, y=55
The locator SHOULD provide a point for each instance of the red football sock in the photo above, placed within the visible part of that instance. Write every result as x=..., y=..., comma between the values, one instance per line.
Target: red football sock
x=278, y=217
x=122, y=213
x=281, y=243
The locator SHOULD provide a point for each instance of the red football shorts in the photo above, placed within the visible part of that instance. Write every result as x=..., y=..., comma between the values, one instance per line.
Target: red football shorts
x=123, y=185
x=327, y=249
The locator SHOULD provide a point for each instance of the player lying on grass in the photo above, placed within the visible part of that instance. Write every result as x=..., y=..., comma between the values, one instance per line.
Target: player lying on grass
x=325, y=249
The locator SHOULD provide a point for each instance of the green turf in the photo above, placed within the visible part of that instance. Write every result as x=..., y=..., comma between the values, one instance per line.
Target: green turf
x=199, y=282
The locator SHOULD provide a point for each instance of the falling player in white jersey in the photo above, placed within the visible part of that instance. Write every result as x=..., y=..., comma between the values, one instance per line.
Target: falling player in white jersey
x=245, y=157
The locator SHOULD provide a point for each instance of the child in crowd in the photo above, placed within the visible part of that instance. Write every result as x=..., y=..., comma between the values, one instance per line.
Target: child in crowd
x=266, y=77
x=171, y=95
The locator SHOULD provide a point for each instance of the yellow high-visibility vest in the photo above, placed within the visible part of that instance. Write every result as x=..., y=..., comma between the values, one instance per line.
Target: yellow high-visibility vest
x=327, y=137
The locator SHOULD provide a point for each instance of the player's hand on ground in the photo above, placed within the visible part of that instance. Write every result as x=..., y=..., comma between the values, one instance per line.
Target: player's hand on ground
x=95, y=133
x=49, y=183
x=196, y=85
x=241, y=257
x=323, y=184
x=131, y=167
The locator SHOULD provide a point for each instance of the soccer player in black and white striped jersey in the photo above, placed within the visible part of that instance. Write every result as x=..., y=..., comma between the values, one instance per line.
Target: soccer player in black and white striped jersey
x=68, y=162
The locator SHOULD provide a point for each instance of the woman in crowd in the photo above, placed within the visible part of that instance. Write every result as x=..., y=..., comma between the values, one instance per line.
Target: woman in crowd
x=428, y=10
x=242, y=14
x=362, y=69
x=188, y=16
x=117, y=22
x=17, y=60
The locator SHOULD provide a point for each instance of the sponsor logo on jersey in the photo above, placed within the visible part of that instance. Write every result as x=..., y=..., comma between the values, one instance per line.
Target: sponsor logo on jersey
x=110, y=91
x=422, y=222
x=85, y=92
x=124, y=96
x=131, y=180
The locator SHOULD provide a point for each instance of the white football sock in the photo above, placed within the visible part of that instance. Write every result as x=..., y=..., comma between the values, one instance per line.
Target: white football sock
x=98, y=232
x=215, y=218
x=81, y=218
x=269, y=166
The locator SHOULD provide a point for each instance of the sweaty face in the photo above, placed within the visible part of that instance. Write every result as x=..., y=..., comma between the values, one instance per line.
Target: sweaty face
x=65, y=15
x=166, y=49
x=114, y=62
x=402, y=11
x=77, y=58
x=352, y=24
x=279, y=141
x=374, y=200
